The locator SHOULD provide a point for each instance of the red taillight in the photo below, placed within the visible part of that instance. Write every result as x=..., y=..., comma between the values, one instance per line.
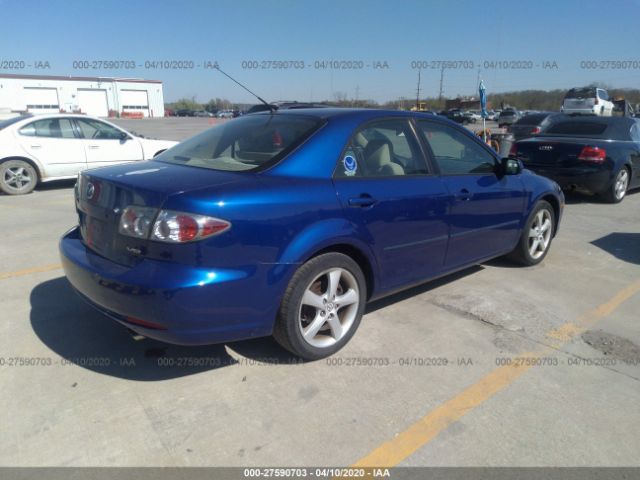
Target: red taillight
x=592, y=154
x=180, y=227
x=513, y=151
x=277, y=139
x=187, y=228
x=535, y=130
x=145, y=323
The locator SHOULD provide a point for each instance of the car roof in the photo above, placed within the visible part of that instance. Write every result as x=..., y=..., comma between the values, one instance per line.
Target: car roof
x=360, y=114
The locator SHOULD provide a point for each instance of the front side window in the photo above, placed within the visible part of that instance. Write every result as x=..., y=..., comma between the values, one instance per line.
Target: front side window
x=96, y=130
x=386, y=148
x=247, y=143
x=602, y=94
x=50, y=127
x=456, y=153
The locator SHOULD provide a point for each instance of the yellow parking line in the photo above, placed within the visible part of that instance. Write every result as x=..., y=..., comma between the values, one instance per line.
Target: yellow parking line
x=391, y=453
x=19, y=273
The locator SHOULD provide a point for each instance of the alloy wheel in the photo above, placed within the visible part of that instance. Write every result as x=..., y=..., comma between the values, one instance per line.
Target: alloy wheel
x=540, y=234
x=17, y=178
x=328, y=307
x=621, y=184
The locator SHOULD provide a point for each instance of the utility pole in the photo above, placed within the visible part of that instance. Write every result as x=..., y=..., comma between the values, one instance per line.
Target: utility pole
x=441, y=83
x=418, y=93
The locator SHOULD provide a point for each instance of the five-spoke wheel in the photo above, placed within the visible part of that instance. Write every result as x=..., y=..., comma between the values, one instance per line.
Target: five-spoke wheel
x=322, y=306
x=17, y=177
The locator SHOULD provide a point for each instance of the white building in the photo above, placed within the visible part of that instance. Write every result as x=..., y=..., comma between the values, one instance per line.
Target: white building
x=97, y=96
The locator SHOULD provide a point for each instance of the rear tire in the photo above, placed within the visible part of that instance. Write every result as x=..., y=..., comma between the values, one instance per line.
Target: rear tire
x=619, y=187
x=536, y=236
x=322, y=306
x=17, y=177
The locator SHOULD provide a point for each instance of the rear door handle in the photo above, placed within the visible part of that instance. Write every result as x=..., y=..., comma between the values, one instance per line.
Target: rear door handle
x=464, y=195
x=93, y=147
x=36, y=146
x=364, y=200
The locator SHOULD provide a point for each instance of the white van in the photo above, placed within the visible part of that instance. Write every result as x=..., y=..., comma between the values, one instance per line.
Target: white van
x=587, y=101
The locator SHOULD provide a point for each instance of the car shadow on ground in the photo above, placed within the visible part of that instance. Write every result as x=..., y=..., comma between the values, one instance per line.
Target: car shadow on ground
x=624, y=246
x=574, y=198
x=79, y=334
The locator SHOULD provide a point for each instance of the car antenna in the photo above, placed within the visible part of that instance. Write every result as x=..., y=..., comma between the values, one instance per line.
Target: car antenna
x=269, y=106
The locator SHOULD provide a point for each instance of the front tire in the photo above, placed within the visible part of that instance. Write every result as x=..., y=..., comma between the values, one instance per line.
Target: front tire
x=619, y=187
x=536, y=236
x=322, y=306
x=17, y=177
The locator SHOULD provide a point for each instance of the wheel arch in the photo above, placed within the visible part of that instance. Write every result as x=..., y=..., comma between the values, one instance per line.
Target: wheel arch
x=357, y=255
x=555, y=204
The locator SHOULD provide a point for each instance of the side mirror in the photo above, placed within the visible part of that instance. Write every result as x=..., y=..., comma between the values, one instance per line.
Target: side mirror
x=124, y=136
x=510, y=166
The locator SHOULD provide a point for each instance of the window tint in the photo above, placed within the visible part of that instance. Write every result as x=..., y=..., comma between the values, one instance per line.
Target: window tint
x=98, y=130
x=10, y=121
x=581, y=93
x=534, y=119
x=382, y=149
x=456, y=153
x=603, y=94
x=577, y=128
x=52, y=127
x=245, y=143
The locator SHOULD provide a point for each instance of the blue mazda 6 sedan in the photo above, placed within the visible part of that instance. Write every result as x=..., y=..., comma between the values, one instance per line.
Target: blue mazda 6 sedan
x=288, y=223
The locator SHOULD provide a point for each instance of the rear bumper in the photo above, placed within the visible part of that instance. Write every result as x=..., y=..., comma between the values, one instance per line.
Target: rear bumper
x=595, y=179
x=172, y=302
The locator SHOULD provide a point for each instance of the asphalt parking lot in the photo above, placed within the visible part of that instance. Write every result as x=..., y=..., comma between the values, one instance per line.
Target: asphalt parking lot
x=496, y=365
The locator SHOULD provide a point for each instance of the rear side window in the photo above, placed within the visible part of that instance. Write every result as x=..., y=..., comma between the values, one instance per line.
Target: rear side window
x=635, y=132
x=577, y=128
x=456, y=153
x=244, y=144
x=52, y=128
x=384, y=148
x=602, y=94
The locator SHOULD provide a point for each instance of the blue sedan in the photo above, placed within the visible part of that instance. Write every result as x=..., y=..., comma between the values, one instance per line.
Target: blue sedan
x=288, y=223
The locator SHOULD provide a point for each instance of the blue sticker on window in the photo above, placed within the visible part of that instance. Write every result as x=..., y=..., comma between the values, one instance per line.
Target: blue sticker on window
x=350, y=165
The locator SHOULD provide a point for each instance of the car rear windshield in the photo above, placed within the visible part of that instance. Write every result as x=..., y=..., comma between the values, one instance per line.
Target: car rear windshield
x=247, y=143
x=10, y=121
x=577, y=128
x=581, y=93
x=535, y=119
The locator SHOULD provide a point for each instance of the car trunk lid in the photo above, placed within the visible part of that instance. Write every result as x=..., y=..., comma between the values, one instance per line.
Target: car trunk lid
x=103, y=194
x=552, y=151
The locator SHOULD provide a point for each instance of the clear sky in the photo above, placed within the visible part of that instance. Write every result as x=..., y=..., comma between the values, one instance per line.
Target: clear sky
x=531, y=33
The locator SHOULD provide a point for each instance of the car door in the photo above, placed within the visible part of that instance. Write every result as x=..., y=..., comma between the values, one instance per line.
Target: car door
x=55, y=144
x=485, y=216
x=394, y=201
x=107, y=145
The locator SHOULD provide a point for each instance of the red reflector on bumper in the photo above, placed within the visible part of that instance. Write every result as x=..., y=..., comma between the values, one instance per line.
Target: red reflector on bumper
x=145, y=323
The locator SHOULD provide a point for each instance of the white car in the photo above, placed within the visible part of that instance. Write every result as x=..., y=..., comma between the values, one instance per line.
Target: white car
x=587, y=101
x=54, y=147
